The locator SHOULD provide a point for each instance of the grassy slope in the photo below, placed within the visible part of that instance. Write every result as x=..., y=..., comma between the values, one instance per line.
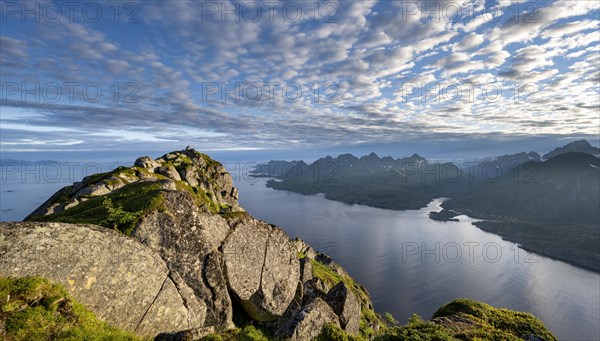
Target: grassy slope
x=33, y=308
x=461, y=319
x=135, y=199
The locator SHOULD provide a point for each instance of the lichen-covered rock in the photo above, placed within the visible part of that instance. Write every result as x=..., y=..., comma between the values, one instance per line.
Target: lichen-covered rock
x=308, y=323
x=116, y=277
x=305, y=270
x=169, y=171
x=345, y=304
x=315, y=288
x=306, y=250
x=264, y=273
x=147, y=163
x=93, y=190
x=187, y=238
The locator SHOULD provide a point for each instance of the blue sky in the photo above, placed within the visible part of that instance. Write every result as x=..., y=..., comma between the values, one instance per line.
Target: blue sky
x=308, y=75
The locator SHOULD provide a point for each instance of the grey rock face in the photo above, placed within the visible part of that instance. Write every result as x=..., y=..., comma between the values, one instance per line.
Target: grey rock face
x=345, y=304
x=169, y=171
x=187, y=238
x=305, y=270
x=262, y=268
x=309, y=322
x=102, y=269
x=93, y=190
x=147, y=163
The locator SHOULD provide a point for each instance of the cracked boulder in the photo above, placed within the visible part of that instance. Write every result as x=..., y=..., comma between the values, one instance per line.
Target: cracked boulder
x=187, y=238
x=308, y=323
x=262, y=268
x=102, y=268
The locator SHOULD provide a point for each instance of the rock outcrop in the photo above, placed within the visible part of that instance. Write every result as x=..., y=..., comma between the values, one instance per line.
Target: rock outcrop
x=181, y=210
x=187, y=240
x=116, y=277
x=263, y=274
x=308, y=323
x=346, y=306
x=195, y=172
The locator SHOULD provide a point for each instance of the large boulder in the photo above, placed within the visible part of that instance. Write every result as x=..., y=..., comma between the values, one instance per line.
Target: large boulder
x=147, y=163
x=309, y=322
x=119, y=279
x=345, y=304
x=187, y=238
x=264, y=273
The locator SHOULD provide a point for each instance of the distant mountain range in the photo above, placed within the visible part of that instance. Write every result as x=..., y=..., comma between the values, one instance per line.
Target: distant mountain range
x=581, y=146
x=549, y=204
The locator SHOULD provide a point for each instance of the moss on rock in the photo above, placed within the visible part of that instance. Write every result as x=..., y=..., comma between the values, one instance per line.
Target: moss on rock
x=136, y=198
x=332, y=275
x=33, y=308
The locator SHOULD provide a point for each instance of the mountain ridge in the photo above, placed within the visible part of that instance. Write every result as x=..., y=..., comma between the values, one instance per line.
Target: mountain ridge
x=522, y=189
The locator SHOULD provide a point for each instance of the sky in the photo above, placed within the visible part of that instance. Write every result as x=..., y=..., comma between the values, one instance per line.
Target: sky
x=395, y=77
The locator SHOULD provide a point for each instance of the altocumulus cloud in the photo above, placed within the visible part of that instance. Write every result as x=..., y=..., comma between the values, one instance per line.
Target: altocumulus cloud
x=251, y=74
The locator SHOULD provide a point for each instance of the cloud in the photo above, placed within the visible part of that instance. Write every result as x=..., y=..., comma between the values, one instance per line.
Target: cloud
x=350, y=70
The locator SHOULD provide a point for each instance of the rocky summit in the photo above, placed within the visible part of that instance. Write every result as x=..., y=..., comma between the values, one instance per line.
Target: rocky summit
x=172, y=254
x=163, y=250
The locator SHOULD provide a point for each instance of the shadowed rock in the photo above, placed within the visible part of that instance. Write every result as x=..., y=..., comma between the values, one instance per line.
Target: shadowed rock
x=308, y=323
x=345, y=304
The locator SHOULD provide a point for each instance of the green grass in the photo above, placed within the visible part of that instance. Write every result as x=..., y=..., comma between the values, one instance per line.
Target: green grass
x=95, y=178
x=478, y=321
x=134, y=199
x=246, y=333
x=33, y=308
x=368, y=316
x=201, y=198
x=494, y=323
x=332, y=332
x=417, y=330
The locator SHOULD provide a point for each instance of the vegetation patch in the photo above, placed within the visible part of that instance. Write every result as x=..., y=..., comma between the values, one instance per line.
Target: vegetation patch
x=201, y=198
x=246, y=333
x=332, y=332
x=120, y=209
x=493, y=323
x=368, y=317
x=416, y=329
x=33, y=308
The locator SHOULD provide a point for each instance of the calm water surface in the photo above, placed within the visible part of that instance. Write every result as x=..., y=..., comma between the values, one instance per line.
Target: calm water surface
x=408, y=262
x=412, y=264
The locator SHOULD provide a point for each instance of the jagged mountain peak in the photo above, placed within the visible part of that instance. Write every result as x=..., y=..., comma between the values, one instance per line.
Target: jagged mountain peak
x=582, y=146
